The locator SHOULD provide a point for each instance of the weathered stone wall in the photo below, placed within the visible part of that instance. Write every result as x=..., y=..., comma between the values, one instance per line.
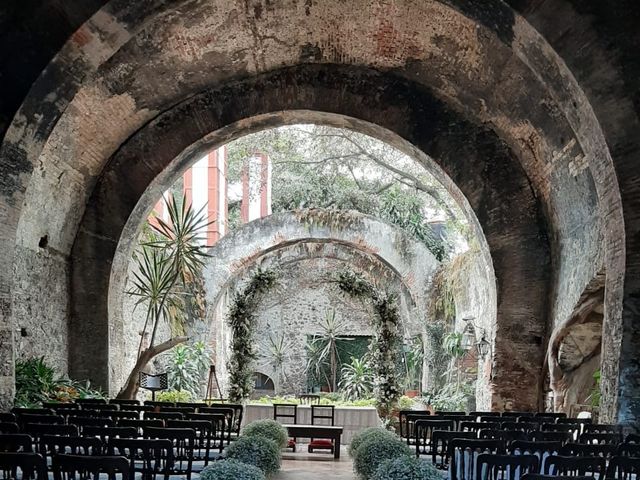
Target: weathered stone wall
x=531, y=93
x=307, y=249
x=41, y=310
x=475, y=297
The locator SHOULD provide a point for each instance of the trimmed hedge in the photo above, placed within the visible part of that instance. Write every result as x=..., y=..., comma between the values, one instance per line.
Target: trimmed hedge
x=231, y=470
x=362, y=435
x=406, y=468
x=268, y=429
x=257, y=451
x=374, y=450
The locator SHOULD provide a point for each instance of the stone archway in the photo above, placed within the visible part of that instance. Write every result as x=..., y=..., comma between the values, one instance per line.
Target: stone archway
x=482, y=66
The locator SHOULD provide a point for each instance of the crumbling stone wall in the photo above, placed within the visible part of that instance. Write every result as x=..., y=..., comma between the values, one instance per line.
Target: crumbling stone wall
x=507, y=91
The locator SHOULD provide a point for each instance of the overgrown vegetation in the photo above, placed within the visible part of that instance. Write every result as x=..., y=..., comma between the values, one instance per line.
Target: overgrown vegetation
x=324, y=167
x=187, y=367
x=38, y=382
x=384, y=346
x=242, y=321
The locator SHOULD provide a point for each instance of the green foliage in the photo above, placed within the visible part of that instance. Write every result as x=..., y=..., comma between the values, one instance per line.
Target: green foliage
x=406, y=468
x=324, y=167
x=322, y=349
x=242, y=320
x=594, y=396
x=167, y=262
x=257, y=451
x=174, y=396
x=370, y=454
x=325, y=399
x=274, y=351
x=360, y=437
x=187, y=367
x=407, y=212
x=451, y=397
x=231, y=470
x=269, y=429
x=452, y=344
x=385, y=343
x=406, y=403
x=37, y=382
x=357, y=379
x=437, y=358
x=413, y=362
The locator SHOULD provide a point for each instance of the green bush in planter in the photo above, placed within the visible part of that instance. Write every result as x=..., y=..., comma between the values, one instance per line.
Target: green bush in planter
x=231, y=470
x=406, y=468
x=257, y=451
x=362, y=435
x=375, y=450
x=268, y=429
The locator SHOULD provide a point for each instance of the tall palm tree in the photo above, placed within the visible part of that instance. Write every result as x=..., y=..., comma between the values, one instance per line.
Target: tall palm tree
x=164, y=265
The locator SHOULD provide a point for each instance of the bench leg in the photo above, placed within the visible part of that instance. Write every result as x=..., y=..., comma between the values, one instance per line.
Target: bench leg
x=336, y=448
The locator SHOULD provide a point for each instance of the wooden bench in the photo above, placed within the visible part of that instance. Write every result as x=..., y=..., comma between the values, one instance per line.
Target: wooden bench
x=317, y=431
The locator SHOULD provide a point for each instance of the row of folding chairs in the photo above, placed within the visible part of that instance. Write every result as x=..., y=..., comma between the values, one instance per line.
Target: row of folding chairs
x=590, y=433
x=496, y=466
x=174, y=448
x=442, y=443
x=14, y=422
x=124, y=410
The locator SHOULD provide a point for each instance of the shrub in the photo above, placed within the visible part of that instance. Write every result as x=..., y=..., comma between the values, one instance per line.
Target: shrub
x=375, y=450
x=362, y=435
x=231, y=470
x=268, y=429
x=174, y=396
x=257, y=451
x=406, y=468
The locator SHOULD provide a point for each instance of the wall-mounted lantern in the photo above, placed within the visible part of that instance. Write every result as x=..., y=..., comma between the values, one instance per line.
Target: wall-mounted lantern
x=475, y=336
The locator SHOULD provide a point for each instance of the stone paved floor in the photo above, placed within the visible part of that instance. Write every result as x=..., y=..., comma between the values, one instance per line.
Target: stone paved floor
x=305, y=466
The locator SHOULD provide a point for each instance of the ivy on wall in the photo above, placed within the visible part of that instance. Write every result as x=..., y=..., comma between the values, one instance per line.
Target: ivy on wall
x=242, y=321
x=385, y=343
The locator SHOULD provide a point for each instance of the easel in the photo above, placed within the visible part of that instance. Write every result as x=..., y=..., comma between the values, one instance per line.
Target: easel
x=212, y=377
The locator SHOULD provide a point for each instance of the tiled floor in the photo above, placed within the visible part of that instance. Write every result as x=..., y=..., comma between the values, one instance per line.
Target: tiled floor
x=305, y=466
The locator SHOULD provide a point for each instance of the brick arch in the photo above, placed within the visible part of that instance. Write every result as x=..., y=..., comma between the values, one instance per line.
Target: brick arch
x=518, y=114
x=386, y=257
x=462, y=152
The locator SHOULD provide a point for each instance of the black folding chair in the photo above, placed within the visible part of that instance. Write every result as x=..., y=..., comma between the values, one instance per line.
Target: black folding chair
x=505, y=467
x=572, y=466
x=163, y=415
x=139, y=425
x=184, y=442
x=600, y=438
x=6, y=417
x=623, y=468
x=82, y=422
x=124, y=403
x=149, y=457
x=628, y=449
x=221, y=428
x=440, y=440
x=70, y=467
x=407, y=419
x=423, y=430
x=205, y=440
x=16, y=443
x=506, y=435
x=588, y=450
x=23, y=466
x=463, y=454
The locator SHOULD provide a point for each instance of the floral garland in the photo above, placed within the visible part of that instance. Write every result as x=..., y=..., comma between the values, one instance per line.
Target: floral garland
x=384, y=346
x=242, y=320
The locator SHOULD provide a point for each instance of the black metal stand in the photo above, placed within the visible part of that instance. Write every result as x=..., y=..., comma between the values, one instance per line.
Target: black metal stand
x=212, y=377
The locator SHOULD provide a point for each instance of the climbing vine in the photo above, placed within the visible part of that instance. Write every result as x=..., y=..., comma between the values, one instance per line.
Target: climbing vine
x=384, y=346
x=242, y=320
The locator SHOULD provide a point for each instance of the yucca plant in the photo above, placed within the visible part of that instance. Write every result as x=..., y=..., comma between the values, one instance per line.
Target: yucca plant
x=274, y=352
x=323, y=348
x=357, y=379
x=164, y=265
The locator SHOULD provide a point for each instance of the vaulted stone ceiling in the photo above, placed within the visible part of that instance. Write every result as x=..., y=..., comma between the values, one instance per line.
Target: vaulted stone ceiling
x=528, y=111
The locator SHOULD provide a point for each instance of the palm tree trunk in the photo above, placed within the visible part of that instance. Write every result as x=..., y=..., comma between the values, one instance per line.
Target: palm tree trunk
x=130, y=389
